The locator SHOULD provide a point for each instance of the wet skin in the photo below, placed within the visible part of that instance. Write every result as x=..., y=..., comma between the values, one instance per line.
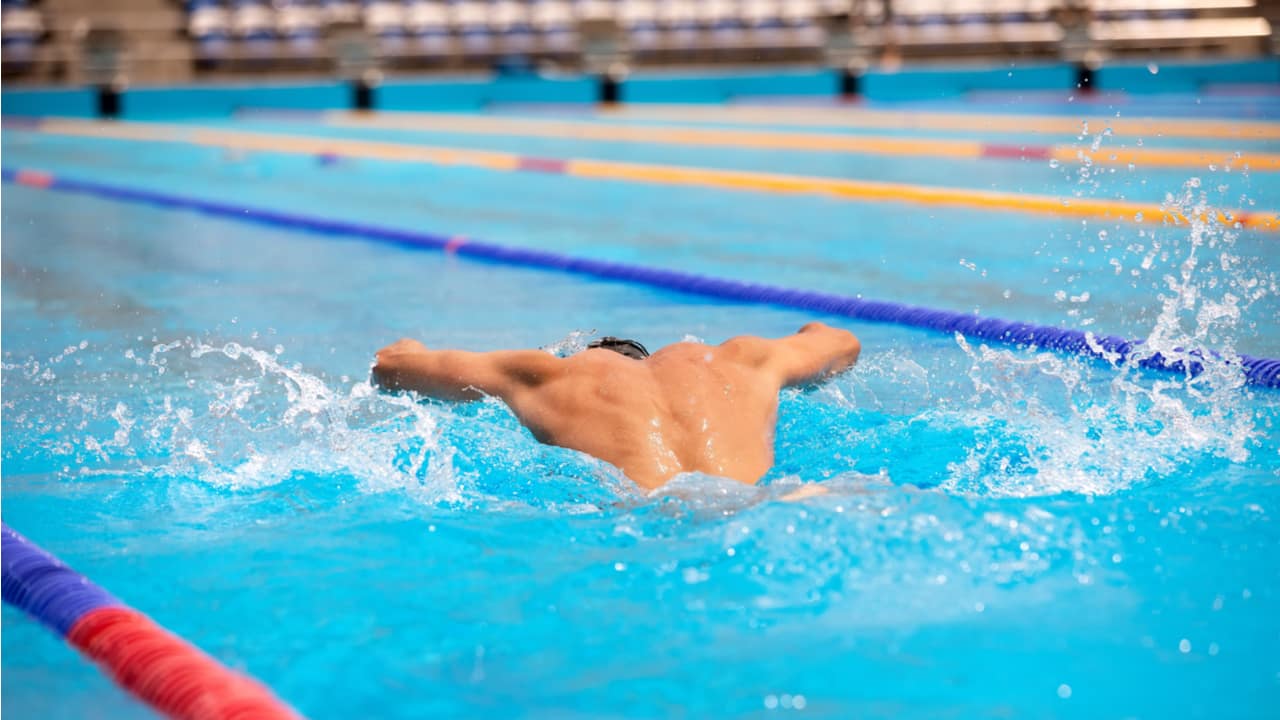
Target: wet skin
x=688, y=407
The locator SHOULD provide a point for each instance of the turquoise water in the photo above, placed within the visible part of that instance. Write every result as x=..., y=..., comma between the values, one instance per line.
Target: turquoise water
x=1006, y=533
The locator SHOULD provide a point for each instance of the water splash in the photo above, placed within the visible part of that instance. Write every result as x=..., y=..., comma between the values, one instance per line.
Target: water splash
x=863, y=552
x=1053, y=424
x=575, y=342
x=240, y=419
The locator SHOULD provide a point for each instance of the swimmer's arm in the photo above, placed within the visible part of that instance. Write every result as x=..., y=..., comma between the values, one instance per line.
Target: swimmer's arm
x=459, y=374
x=815, y=353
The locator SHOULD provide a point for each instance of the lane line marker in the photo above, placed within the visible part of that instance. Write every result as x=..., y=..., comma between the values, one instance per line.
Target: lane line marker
x=860, y=190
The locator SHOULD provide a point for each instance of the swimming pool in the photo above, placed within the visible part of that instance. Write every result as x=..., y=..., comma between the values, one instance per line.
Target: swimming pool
x=1008, y=532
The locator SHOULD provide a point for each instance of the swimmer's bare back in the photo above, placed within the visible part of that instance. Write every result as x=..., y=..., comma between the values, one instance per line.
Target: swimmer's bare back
x=688, y=407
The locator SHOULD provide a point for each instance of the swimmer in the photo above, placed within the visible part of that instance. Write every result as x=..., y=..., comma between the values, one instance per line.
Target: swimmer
x=688, y=407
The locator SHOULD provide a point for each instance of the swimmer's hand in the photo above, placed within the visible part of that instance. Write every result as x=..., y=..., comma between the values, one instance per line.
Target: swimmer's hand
x=390, y=361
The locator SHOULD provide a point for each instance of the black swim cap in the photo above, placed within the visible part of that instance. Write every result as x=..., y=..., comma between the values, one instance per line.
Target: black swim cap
x=622, y=346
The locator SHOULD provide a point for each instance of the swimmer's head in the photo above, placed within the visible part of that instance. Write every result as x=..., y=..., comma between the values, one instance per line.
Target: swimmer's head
x=622, y=346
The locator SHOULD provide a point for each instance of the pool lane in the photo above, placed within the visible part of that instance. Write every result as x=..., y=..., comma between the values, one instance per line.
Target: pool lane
x=1114, y=349
x=1086, y=125
x=1089, y=592
x=1006, y=174
x=1034, y=268
x=1100, y=208
x=1219, y=128
x=1195, y=158
x=352, y=544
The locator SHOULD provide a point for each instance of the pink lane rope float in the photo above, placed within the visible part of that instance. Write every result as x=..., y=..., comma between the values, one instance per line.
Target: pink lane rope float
x=169, y=674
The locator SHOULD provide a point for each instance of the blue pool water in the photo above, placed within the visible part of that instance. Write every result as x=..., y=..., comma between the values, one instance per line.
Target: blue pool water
x=1007, y=533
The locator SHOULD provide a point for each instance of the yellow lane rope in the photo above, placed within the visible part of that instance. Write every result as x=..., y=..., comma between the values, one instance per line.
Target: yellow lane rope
x=815, y=142
x=987, y=123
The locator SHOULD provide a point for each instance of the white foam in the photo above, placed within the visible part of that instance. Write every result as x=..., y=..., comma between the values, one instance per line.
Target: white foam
x=1072, y=425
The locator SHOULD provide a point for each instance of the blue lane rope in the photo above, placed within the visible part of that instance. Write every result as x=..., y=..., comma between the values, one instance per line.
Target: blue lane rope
x=170, y=675
x=41, y=585
x=1259, y=371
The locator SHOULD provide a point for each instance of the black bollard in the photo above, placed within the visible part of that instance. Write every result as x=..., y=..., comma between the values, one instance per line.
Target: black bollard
x=850, y=80
x=108, y=101
x=1084, y=77
x=609, y=89
x=362, y=95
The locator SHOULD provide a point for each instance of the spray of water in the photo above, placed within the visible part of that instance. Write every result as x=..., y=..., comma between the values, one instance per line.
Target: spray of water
x=1052, y=424
x=575, y=342
x=240, y=418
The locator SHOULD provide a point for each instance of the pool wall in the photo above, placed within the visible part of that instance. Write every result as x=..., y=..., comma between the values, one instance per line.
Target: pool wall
x=647, y=86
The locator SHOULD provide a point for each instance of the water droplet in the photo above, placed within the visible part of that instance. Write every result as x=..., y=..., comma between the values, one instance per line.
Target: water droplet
x=1064, y=691
x=1153, y=68
x=771, y=702
x=619, y=566
x=1184, y=646
x=1054, y=163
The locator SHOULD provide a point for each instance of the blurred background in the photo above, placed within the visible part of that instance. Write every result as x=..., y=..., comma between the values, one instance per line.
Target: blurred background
x=121, y=42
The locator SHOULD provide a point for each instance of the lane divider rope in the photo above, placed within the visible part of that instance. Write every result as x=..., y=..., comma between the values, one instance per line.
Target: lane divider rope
x=801, y=116
x=1116, y=350
x=896, y=146
x=860, y=190
x=170, y=675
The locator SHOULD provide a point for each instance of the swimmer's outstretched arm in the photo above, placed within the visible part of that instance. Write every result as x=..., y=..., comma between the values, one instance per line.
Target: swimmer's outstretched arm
x=459, y=374
x=815, y=353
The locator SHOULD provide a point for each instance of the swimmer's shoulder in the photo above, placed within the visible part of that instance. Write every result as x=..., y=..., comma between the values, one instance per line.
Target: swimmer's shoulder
x=685, y=351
